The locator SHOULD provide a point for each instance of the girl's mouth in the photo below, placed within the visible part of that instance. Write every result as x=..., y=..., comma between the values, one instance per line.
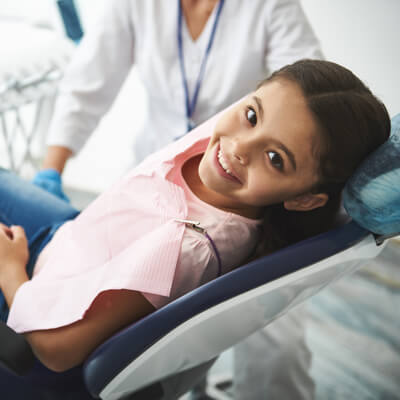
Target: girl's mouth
x=223, y=167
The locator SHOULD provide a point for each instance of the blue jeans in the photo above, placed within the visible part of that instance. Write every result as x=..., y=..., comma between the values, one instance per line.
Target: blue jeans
x=37, y=211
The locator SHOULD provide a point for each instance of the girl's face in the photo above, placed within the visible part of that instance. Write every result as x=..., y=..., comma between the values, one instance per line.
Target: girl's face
x=263, y=152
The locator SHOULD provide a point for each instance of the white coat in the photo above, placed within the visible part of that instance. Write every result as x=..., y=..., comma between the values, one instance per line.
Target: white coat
x=253, y=38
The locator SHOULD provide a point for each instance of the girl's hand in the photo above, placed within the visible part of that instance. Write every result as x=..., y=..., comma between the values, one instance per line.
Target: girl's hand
x=14, y=251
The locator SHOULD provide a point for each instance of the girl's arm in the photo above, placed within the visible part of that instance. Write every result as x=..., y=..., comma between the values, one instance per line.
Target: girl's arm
x=66, y=347
x=63, y=348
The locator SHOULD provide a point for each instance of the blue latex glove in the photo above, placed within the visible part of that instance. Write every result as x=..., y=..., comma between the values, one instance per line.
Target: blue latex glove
x=50, y=180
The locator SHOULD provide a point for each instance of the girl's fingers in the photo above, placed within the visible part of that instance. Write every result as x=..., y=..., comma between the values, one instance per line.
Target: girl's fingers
x=14, y=232
x=4, y=228
x=18, y=232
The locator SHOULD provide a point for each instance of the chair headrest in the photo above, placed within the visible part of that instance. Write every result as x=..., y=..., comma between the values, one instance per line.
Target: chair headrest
x=372, y=194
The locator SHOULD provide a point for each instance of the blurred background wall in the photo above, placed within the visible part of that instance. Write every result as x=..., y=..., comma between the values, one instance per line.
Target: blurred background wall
x=360, y=34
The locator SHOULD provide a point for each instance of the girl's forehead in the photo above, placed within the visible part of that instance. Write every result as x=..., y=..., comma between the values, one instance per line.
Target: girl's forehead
x=284, y=109
x=278, y=90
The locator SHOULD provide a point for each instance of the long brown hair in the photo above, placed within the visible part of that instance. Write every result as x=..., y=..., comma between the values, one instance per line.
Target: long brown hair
x=351, y=122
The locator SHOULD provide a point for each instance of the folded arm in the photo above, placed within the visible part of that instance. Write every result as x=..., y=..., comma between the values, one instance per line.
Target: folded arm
x=62, y=348
x=68, y=346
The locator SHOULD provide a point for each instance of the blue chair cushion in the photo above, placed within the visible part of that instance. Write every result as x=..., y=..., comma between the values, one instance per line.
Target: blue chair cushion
x=372, y=194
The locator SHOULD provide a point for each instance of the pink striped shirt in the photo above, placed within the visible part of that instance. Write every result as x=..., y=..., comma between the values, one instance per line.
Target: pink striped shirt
x=128, y=238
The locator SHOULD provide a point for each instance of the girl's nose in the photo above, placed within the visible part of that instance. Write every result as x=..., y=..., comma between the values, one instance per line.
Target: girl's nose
x=241, y=150
x=243, y=159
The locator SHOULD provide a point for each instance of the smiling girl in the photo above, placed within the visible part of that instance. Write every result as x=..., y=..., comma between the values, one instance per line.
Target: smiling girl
x=265, y=173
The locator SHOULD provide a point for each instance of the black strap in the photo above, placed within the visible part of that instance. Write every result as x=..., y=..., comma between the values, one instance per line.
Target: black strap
x=15, y=353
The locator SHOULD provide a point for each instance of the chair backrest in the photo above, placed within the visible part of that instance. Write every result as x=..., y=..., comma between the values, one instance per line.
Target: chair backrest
x=210, y=319
x=372, y=195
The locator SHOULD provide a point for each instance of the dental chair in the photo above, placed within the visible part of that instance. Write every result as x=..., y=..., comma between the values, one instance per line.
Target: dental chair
x=166, y=353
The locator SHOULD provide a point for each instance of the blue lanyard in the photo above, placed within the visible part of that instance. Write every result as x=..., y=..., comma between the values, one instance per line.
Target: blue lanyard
x=191, y=105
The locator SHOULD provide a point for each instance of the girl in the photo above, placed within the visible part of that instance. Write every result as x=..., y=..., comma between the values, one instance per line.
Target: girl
x=265, y=173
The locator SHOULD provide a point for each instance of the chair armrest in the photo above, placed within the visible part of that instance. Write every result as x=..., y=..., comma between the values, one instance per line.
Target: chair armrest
x=15, y=353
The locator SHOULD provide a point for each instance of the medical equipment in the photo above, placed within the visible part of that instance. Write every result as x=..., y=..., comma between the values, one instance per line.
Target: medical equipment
x=15, y=94
x=28, y=85
x=142, y=361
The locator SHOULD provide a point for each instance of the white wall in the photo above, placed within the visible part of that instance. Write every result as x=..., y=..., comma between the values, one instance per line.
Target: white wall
x=363, y=35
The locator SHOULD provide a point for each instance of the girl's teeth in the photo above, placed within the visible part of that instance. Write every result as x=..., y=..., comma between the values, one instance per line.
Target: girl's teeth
x=223, y=163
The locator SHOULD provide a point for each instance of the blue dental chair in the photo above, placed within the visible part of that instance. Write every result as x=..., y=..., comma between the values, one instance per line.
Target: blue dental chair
x=149, y=359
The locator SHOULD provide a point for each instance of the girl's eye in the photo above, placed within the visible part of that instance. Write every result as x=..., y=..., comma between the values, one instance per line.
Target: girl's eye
x=276, y=160
x=251, y=116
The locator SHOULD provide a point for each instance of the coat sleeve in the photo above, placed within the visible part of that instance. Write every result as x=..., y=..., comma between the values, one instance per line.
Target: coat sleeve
x=290, y=36
x=94, y=76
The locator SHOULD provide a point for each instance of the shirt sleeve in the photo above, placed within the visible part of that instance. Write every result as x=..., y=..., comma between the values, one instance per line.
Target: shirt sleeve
x=94, y=76
x=197, y=264
x=290, y=36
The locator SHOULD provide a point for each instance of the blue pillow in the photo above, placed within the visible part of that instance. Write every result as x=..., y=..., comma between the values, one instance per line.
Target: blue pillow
x=372, y=195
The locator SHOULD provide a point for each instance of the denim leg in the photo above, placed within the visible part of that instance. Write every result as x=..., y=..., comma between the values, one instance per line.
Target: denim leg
x=37, y=211
x=22, y=203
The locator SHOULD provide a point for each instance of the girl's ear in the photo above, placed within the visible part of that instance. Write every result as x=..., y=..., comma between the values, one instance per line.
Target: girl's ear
x=306, y=202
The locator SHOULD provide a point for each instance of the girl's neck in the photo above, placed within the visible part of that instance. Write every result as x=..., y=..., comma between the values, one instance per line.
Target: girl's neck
x=196, y=13
x=190, y=173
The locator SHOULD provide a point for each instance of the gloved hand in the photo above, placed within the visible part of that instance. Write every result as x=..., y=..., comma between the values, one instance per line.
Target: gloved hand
x=50, y=180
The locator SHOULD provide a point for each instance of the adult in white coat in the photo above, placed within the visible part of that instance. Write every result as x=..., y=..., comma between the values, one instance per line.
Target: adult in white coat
x=194, y=57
